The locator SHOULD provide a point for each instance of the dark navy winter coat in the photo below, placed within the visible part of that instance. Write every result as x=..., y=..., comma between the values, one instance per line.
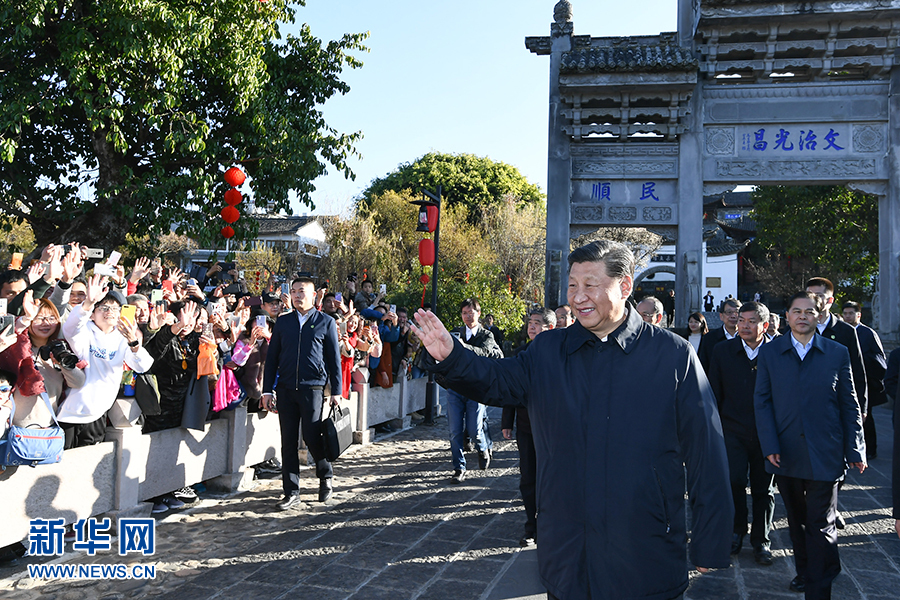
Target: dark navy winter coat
x=306, y=360
x=807, y=411
x=615, y=424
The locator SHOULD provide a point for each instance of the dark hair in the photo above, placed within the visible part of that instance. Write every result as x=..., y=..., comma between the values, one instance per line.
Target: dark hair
x=331, y=294
x=402, y=309
x=303, y=281
x=251, y=322
x=817, y=281
x=704, y=326
x=547, y=315
x=761, y=310
x=110, y=297
x=819, y=303
x=851, y=304
x=470, y=303
x=365, y=281
x=12, y=276
x=9, y=377
x=616, y=256
x=732, y=302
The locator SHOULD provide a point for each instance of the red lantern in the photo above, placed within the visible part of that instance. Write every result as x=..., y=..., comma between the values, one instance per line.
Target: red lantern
x=230, y=214
x=424, y=279
x=233, y=197
x=227, y=232
x=426, y=252
x=234, y=177
x=432, y=218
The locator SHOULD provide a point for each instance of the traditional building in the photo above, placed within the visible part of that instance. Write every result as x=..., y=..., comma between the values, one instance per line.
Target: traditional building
x=746, y=92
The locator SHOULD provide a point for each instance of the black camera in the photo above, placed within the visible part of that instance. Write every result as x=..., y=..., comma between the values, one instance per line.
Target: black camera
x=60, y=350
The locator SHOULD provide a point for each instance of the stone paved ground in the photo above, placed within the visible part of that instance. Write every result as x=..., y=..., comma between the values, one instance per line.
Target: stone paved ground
x=397, y=529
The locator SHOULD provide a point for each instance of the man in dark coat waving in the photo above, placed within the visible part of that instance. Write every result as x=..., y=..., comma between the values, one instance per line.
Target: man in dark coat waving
x=618, y=409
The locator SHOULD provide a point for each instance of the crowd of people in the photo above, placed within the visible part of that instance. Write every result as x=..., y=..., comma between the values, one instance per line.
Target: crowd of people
x=720, y=409
x=185, y=348
x=749, y=405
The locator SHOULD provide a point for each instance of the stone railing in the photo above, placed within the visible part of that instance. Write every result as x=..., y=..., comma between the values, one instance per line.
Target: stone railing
x=116, y=477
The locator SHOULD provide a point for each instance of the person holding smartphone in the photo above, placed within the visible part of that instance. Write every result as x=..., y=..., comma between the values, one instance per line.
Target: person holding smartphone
x=249, y=356
x=304, y=357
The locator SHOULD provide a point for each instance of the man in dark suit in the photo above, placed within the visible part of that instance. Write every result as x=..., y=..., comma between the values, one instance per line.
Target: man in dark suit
x=891, y=377
x=729, y=315
x=304, y=356
x=875, y=364
x=463, y=414
x=834, y=329
x=539, y=320
x=732, y=376
x=810, y=429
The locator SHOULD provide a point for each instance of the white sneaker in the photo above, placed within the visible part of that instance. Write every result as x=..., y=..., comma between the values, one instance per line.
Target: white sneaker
x=185, y=493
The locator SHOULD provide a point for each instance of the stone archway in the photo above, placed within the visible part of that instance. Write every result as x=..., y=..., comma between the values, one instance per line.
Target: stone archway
x=745, y=93
x=652, y=271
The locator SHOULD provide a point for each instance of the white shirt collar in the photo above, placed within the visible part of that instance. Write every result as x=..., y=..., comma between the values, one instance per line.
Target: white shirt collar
x=471, y=332
x=751, y=352
x=729, y=336
x=302, y=318
x=802, y=350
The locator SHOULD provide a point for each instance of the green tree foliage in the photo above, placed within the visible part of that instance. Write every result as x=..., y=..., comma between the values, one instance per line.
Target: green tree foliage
x=836, y=229
x=15, y=236
x=466, y=180
x=121, y=116
x=382, y=243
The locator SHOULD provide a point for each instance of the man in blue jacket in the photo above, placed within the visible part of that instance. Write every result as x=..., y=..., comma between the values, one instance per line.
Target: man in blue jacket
x=810, y=429
x=303, y=356
x=618, y=409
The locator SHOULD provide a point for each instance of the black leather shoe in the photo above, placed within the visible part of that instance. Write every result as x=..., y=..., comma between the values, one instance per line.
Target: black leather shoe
x=839, y=521
x=798, y=584
x=528, y=540
x=737, y=541
x=458, y=476
x=325, y=490
x=289, y=501
x=484, y=459
x=762, y=556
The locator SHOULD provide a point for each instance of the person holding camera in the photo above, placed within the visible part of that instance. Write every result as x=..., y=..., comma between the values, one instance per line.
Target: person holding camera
x=39, y=328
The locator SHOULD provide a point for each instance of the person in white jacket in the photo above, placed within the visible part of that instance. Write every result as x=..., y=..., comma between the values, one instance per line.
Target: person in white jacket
x=99, y=336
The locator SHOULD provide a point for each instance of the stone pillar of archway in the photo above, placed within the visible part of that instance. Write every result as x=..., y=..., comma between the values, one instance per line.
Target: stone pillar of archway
x=689, y=247
x=886, y=301
x=559, y=167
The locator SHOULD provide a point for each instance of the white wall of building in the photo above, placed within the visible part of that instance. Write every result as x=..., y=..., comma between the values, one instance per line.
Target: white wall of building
x=723, y=268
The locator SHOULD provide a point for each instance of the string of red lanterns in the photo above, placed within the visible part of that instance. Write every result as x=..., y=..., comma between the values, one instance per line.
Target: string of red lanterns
x=230, y=214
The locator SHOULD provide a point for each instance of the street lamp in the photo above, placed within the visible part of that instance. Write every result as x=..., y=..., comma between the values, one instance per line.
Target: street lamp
x=430, y=221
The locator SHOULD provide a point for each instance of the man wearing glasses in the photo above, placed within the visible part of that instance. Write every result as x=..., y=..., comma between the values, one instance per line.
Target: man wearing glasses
x=651, y=310
x=98, y=336
x=730, y=314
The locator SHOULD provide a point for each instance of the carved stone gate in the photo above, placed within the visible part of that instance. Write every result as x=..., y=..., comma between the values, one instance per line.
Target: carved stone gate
x=746, y=92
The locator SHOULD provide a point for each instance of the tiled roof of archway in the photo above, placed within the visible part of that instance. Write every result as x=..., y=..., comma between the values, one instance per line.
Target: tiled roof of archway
x=629, y=58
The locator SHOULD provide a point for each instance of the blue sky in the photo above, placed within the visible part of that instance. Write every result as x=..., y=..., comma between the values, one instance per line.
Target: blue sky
x=453, y=77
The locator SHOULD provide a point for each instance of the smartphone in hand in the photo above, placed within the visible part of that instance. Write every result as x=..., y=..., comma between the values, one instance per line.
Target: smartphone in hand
x=128, y=313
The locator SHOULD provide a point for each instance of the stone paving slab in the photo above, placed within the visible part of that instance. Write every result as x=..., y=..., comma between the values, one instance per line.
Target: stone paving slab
x=396, y=528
